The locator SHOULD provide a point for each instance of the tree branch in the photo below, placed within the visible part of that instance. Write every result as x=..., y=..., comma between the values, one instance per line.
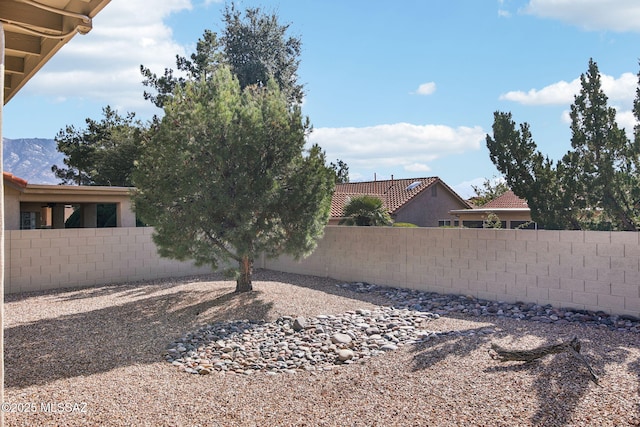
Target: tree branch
x=528, y=356
x=221, y=246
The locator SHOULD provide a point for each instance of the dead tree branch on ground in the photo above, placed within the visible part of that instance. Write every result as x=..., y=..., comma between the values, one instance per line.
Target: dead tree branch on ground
x=572, y=347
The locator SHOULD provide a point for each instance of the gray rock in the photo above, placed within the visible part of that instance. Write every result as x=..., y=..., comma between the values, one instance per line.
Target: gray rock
x=340, y=338
x=323, y=342
x=389, y=347
x=299, y=324
x=345, y=354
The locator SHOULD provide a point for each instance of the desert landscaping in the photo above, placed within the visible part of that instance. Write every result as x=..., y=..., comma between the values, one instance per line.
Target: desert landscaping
x=99, y=356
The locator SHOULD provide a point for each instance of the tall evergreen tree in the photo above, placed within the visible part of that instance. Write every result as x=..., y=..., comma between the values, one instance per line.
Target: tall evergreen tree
x=603, y=158
x=226, y=177
x=254, y=44
x=529, y=174
x=103, y=153
x=257, y=49
x=594, y=186
x=341, y=170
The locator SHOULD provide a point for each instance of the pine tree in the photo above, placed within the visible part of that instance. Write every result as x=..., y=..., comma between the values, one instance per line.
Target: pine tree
x=102, y=153
x=254, y=45
x=226, y=176
x=595, y=185
x=603, y=160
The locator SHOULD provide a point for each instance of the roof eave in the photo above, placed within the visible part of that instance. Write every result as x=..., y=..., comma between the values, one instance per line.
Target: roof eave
x=35, y=32
x=481, y=210
x=43, y=189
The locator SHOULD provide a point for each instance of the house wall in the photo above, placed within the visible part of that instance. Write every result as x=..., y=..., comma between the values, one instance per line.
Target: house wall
x=48, y=259
x=17, y=201
x=11, y=208
x=590, y=270
x=505, y=216
x=426, y=209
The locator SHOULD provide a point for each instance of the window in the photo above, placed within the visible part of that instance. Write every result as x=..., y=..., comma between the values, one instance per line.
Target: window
x=473, y=224
x=27, y=220
x=98, y=215
x=448, y=223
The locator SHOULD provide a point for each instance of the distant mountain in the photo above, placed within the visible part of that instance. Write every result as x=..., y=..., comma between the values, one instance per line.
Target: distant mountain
x=31, y=159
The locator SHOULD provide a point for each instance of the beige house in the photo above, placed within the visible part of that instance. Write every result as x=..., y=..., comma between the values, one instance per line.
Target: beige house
x=425, y=202
x=512, y=211
x=37, y=206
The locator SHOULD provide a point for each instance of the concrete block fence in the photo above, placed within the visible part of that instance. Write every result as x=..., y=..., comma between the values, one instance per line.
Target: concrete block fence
x=49, y=259
x=592, y=270
x=589, y=270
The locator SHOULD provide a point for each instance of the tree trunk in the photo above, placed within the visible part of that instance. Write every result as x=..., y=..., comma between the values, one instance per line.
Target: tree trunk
x=243, y=284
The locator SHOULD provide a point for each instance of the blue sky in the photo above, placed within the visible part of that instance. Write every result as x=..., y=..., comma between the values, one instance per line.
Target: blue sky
x=405, y=88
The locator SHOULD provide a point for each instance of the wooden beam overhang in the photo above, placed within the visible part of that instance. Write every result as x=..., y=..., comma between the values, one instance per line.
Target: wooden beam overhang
x=36, y=29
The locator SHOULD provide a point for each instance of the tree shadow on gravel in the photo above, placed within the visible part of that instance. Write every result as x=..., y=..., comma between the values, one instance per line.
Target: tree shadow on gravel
x=563, y=381
x=323, y=284
x=434, y=350
x=119, y=335
x=560, y=381
x=125, y=289
x=635, y=368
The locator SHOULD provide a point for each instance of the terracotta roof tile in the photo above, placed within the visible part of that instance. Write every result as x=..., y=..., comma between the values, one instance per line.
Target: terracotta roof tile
x=14, y=179
x=393, y=193
x=507, y=201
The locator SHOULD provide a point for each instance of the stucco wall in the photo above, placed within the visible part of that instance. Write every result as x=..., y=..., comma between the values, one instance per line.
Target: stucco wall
x=11, y=208
x=49, y=259
x=428, y=208
x=578, y=269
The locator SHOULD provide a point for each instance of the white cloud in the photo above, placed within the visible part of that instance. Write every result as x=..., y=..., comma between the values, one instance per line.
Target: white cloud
x=620, y=89
x=104, y=65
x=556, y=93
x=417, y=167
x=465, y=188
x=621, y=93
x=614, y=15
x=400, y=146
x=426, y=88
x=627, y=120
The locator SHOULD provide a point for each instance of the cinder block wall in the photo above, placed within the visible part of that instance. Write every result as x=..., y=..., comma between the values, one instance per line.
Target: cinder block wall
x=592, y=270
x=48, y=259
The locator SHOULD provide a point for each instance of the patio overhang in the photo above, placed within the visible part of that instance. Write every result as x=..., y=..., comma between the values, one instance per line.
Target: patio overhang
x=35, y=30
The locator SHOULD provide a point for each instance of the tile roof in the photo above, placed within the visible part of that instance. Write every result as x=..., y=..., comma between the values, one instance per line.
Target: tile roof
x=507, y=201
x=394, y=193
x=9, y=177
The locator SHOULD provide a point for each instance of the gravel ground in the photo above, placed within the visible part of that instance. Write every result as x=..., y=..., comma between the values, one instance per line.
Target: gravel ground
x=94, y=356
